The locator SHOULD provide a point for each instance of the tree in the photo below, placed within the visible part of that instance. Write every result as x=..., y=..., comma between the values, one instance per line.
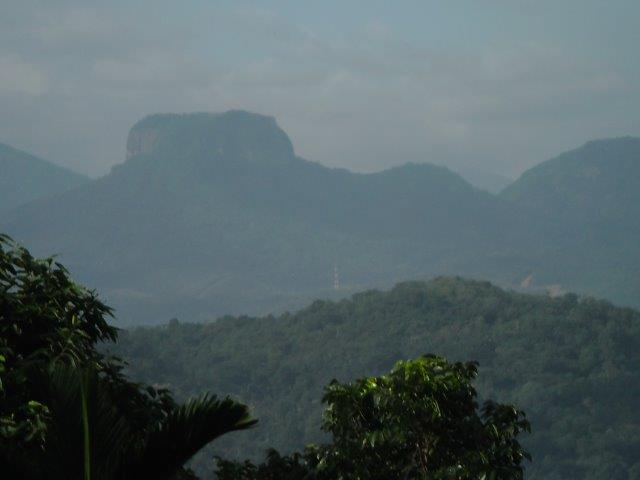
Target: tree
x=276, y=467
x=44, y=317
x=66, y=410
x=421, y=421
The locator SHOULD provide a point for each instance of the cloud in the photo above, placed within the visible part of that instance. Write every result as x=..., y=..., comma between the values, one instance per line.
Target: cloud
x=363, y=98
x=20, y=77
x=65, y=26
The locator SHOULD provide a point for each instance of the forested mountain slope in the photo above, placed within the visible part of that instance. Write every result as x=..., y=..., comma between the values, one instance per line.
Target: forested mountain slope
x=572, y=364
x=597, y=182
x=215, y=213
x=24, y=178
x=594, y=193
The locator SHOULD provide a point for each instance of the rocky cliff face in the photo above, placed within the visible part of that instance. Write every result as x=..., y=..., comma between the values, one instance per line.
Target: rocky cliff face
x=233, y=135
x=141, y=142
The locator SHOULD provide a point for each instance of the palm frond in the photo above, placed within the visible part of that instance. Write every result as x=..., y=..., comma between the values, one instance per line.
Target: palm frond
x=84, y=425
x=184, y=432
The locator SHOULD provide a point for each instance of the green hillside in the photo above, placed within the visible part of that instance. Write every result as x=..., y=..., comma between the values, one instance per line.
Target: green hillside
x=572, y=364
x=24, y=178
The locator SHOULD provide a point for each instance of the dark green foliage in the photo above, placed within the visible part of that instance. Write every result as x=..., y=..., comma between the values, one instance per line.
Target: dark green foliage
x=66, y=410
x=276, y=467
x=421, y=421
x=44, y=317
x=87, y=416
x=571, y=363
x=24, y=178
x=184, y=432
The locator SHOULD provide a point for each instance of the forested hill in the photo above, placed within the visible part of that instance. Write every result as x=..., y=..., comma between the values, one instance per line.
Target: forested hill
x=24, y=178
x=572, y=364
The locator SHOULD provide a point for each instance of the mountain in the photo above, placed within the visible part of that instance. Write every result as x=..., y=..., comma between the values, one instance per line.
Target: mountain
x=594, y=184
x=214, y=213
x=24, y=178
x=571, y=363
x=593, y=193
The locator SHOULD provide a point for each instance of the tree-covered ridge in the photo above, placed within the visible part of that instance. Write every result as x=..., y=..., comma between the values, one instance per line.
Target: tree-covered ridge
x=571, y=363
x=597, y=182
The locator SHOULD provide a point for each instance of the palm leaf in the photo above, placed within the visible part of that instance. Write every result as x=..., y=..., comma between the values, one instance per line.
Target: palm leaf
x=183, y=433
x=86, y=433
x=91, y=436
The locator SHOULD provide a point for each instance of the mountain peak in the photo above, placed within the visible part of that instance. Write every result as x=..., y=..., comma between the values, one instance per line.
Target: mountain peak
x=235, y=135
x=612, y=143
x=597, y=182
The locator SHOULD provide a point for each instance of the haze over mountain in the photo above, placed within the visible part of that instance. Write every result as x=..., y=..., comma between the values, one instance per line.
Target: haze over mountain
x=24, y=178
x=215, y=213
x=596, y=183
x=593, y=191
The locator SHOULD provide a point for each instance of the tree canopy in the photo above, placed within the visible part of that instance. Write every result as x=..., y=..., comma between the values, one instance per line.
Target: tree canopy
x=421, y=421
x=571, y=363
x=66, y=410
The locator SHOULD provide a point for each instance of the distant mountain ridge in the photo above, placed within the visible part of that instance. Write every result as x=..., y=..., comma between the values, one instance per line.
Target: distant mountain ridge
x=598, y=181
x=24, y=178
x=593, y=192
x=215, y=213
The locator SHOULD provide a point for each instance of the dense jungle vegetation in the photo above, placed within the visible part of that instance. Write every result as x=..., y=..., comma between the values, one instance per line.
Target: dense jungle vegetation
x=571, y=363
x=68, y=412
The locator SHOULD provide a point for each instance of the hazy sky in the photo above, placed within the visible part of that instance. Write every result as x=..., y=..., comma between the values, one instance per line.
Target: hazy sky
x=495, y=84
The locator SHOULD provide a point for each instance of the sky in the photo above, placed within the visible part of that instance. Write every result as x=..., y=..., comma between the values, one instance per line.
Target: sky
x=491, y=85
